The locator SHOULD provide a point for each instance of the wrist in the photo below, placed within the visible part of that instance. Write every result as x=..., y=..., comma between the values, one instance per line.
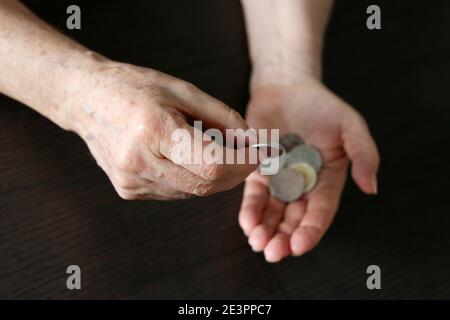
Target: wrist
x=265, y=79
x=278, y=94
x=288, y=66
x=76, y=79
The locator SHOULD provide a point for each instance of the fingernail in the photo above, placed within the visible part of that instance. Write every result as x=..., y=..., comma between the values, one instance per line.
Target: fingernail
x=270, y=258
x=305, y=240
x=375, y=184
x=252, y=244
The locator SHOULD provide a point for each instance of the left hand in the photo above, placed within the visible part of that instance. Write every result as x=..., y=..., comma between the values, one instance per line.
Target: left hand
x=339, y=132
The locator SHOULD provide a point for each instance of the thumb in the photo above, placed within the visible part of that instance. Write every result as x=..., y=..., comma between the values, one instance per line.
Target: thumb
x=363, y=153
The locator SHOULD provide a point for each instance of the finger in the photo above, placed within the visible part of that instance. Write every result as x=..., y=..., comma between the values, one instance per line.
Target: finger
x=166, y=192
x=154, y=196
x=279, y=246
x=293, y=215
x=135, y=187
x=179, y=178
x=148, y=168
x=362, y=151
x=188, y=147
x=253, y=203
x=157, y=197
x=263, y=232
x=322, y=204
x=151, y=191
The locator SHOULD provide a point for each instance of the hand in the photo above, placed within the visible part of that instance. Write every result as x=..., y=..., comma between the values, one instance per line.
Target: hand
x=127, y=114
x=325, y=121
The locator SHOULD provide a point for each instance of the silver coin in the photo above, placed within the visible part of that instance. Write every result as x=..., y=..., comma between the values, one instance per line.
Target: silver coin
x=287, y=186
x=290, y=140
x=305, y=153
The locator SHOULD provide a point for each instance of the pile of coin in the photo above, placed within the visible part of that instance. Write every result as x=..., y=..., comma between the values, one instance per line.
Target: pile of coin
x=299, y=169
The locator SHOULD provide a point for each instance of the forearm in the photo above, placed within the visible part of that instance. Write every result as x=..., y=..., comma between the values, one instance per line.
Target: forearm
x=40, y=67
x=286, y=39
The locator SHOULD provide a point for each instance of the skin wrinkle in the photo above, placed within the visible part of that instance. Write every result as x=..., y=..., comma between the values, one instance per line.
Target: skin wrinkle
x=162, y=100
x=126, y=114
x=116, y=107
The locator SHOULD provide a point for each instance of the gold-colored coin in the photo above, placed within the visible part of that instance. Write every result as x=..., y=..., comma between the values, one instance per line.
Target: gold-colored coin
x=308, y=172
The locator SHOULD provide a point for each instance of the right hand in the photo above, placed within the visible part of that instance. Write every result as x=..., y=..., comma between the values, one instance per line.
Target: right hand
x=126, y=115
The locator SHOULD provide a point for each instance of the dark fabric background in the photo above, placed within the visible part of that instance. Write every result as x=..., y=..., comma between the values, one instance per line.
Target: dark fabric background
x=57, y=208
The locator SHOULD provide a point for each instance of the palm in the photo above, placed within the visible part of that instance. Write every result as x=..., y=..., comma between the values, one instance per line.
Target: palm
x=326, y=122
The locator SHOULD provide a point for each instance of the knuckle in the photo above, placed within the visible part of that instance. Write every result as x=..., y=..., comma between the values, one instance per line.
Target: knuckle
x=124, y=161
x=185, y=195
x=126, y=194
x=164, y=120
x=148, y=124
x=188, y=87
x=213, y=172
x=203, y=189
x=142, y=128
x=157, y=128
x=233, y=115
x=359, y=119
x=150, y=129
x=179, y=195
x=130, y=161
x=250, y=207
x=124, y=182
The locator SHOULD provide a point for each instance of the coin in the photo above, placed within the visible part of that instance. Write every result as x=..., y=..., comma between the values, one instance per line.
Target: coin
x=308, y=172
x=287, y=185
x=272, y=166
x=290, y=140
x=275, y=160
x=278, y=148
x=305, y=153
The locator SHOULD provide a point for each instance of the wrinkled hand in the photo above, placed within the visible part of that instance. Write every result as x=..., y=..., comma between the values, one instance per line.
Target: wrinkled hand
x=127, y=114
x=341, y=134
